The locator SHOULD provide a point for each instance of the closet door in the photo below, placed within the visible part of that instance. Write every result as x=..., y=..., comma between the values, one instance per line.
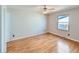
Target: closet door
x=0, y=29
x=3, y=39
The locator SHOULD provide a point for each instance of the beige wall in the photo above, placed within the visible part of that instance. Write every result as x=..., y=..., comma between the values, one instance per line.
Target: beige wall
x=74, y=23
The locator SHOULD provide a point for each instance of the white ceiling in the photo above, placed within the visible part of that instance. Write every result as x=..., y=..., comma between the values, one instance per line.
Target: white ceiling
x=40, y=7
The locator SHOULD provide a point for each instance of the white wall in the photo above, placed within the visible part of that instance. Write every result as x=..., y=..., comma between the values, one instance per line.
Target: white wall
x=25, y=23
x=74, y=23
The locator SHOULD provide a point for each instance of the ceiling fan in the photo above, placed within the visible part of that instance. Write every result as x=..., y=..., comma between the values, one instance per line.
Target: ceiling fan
x=45, y=8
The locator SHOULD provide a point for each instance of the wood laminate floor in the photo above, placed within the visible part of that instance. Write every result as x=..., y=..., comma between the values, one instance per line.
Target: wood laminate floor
x=46, y=43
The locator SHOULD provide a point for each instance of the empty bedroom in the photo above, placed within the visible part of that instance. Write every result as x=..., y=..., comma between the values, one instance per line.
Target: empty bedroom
x=41, y=28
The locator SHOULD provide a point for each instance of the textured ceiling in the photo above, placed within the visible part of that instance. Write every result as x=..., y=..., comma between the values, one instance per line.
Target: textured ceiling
x=40, y=7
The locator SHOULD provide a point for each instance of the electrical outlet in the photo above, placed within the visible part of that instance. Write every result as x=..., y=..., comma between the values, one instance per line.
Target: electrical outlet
x=68, y=34
x=13, y=35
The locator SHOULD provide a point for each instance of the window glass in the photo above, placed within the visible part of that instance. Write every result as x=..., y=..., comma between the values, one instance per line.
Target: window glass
x=63, y=22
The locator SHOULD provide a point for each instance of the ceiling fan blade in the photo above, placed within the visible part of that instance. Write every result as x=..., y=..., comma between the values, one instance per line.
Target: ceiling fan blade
x=51, y=9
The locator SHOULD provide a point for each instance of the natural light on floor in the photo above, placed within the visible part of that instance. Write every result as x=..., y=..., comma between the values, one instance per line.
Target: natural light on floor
x=62, y=47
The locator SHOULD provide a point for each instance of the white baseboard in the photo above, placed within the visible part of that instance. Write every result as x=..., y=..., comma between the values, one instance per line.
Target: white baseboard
x=76, y=40
x=27, y=36
x=40, y=34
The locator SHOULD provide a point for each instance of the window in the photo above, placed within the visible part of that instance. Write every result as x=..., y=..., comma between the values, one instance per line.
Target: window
x=63, y=22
